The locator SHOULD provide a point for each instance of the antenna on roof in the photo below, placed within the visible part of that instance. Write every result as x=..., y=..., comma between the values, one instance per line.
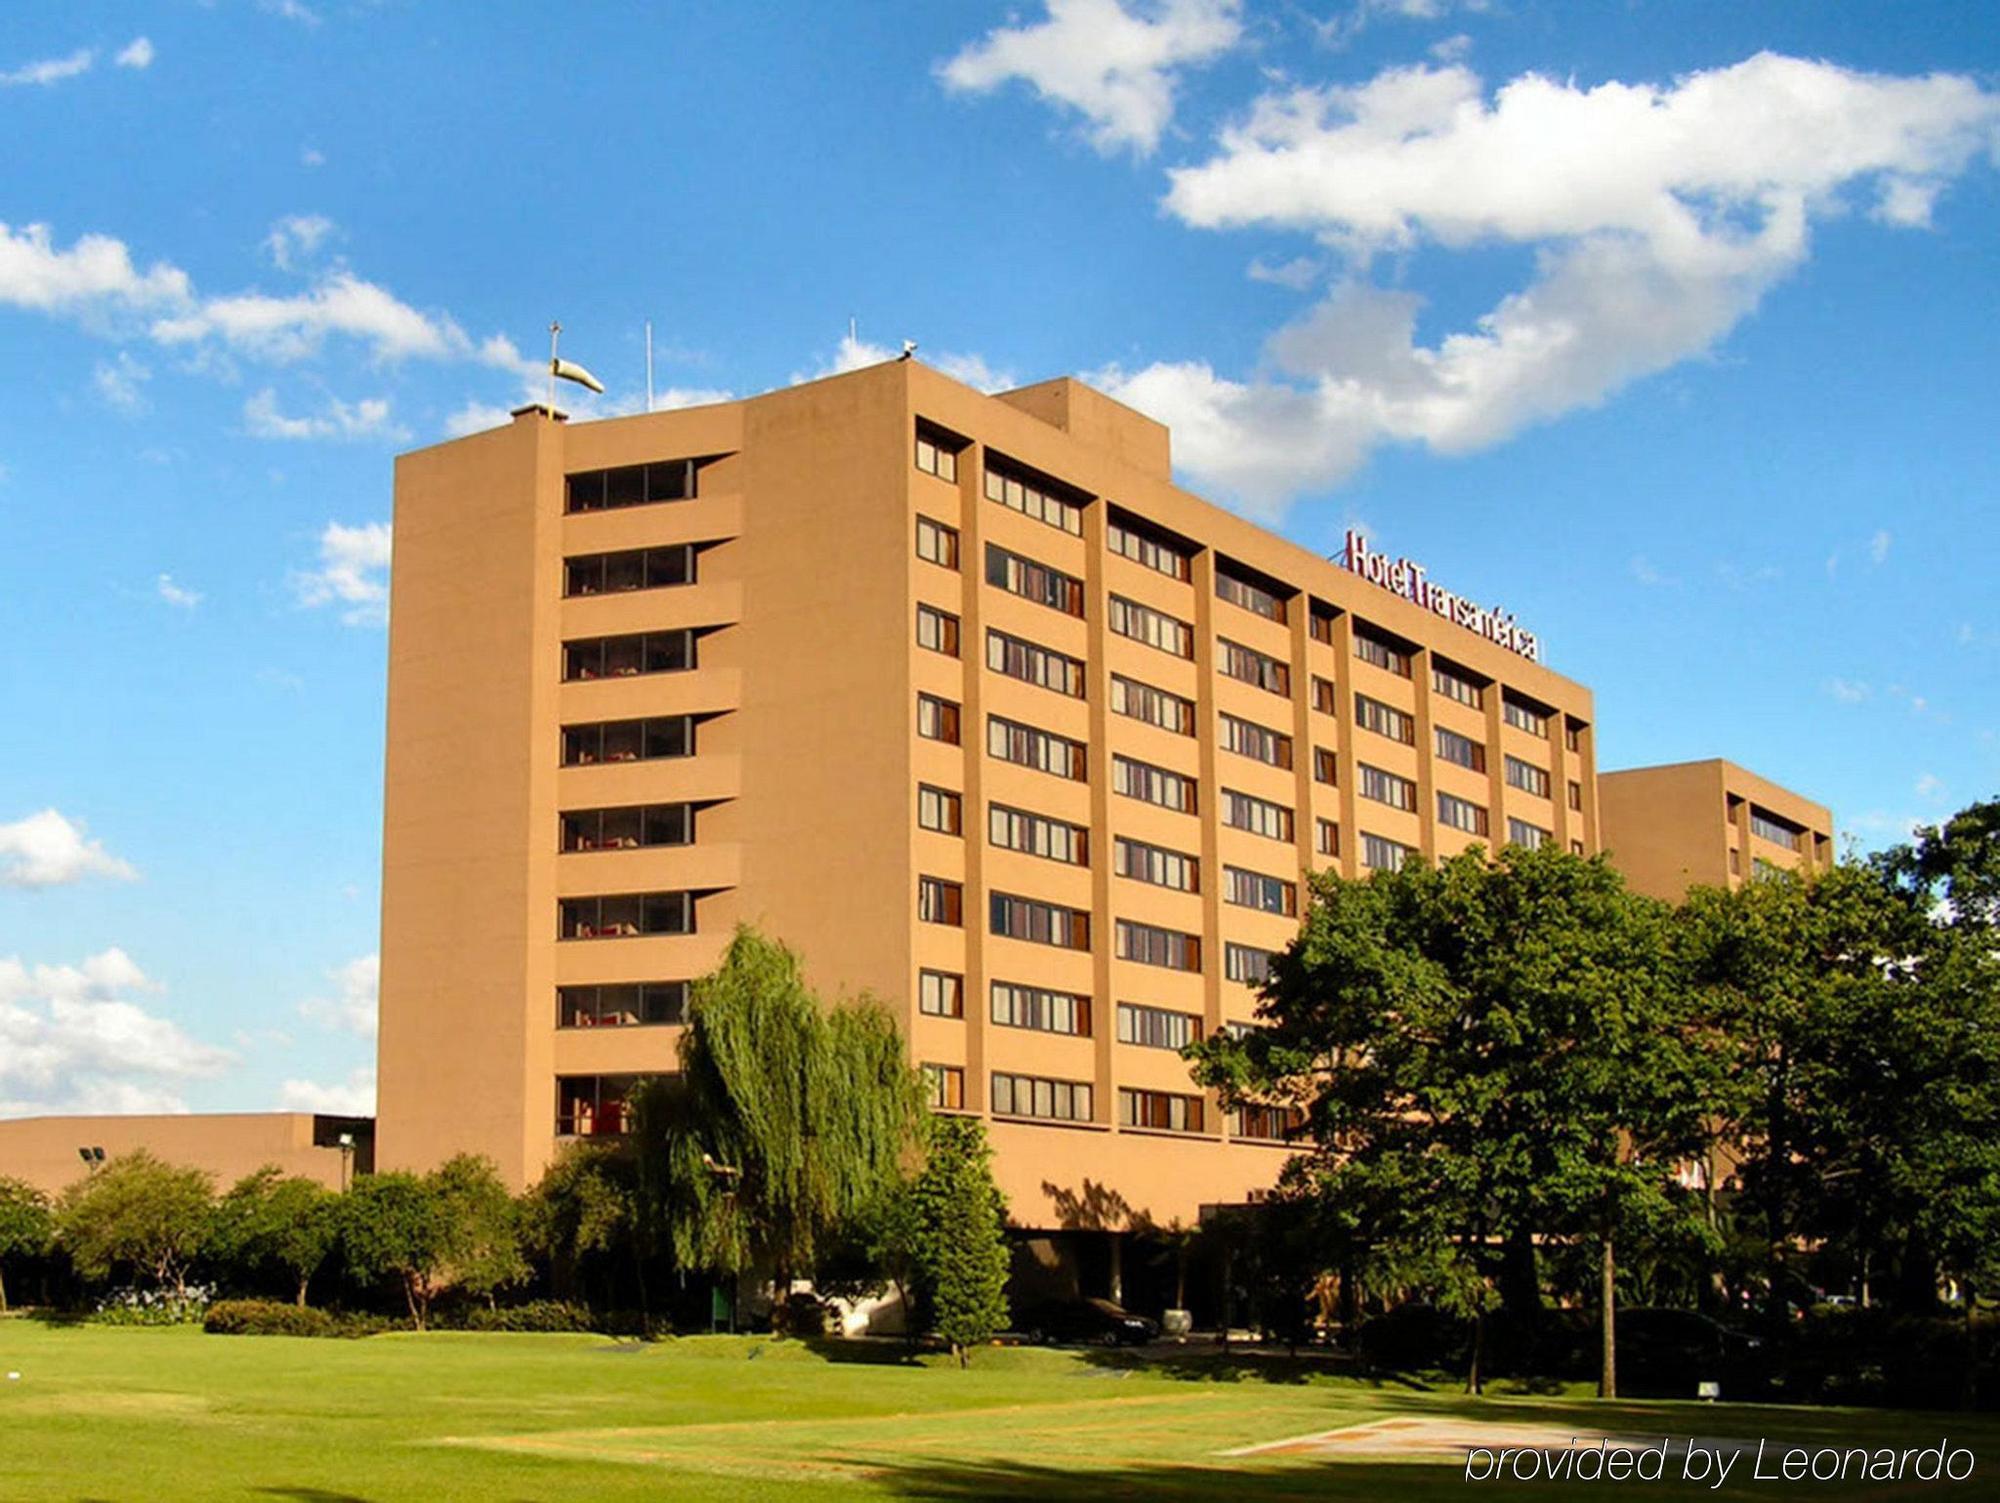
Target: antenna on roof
x=649, y=365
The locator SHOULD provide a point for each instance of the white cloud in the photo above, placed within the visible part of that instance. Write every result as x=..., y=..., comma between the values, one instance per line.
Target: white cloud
x=352, y=573
x=1930, y=785
x=51, y=70
x=73, y=1039
x=854, y=353
x=1115, y=65
x=291, y=10
x=292, y=328
x=311, y=156
x=50, y=850
x=1660, y=215
x=1647, y=574
x=352, y=1007
x=476, y=417
x=1878, y=547
x=1299, y=273
x=366, y=418
x=1452, y=49
x=296, y=238
x=137, y=53
x=1848, y=691
x=353, y=1097
x=120, y=381
x=95, y=274
x=177, y=595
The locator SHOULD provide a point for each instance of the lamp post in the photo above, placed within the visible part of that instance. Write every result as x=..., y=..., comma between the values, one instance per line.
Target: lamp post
x=345, y=1143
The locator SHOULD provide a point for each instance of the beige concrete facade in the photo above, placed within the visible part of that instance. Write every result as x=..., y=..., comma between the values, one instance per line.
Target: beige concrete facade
x=817, y=565
x=1709, y=824
x=44, y=1150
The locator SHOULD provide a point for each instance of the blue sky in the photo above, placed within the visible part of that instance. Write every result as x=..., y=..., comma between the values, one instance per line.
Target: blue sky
x=1670, y=327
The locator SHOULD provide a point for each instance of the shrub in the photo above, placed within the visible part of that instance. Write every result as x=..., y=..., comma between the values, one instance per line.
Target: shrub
x=266, y=1317
x=546, y=1315
x=153, y=1307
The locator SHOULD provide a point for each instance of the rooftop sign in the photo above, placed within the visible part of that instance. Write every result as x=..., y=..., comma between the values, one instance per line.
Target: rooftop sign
x=1411, y=581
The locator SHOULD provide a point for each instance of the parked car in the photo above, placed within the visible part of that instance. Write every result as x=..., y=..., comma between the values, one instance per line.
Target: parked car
x=1097, y=1321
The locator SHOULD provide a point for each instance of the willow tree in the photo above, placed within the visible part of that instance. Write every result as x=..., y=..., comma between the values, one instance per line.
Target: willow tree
x=785, y=1118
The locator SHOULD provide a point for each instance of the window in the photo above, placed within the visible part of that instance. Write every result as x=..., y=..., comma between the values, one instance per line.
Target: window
x=1373, y=649
x=1123, y=536
x=627, y=740
x=1016, y=1006
x=625, y=915
x=1326, y=837
x=1157, y=707
x=1463, y=750
x=1158, y=1111
x=1142, y=623
x=1529, y=837
x=1326, y=766
x=1247, y=738
x=1023, y=745
x=1256, y=598
x=1034, y=1096
x=944, y=1087
x=1148, y=944
x=1523, y=717
x=1035, y=498
x=1247, y=964
x=1735, y=862
x=940, y=809
x=1156, y=1027
x=1247, y=889
x=1386, y=787
x=1039, y=923
x=1320, y=624
x=1326, y=698
x=1033, y=664
x=1252, y=667
x=937, y=630
x=627, y=656
x=1242, y=811
x=1032, y=581
x=940, y=994
x=1272, y=1124
x=937, y=543
x=1576, y=795
x=1037, y=835
x=627, y=828
x=937, y=452
x=1380, y=855
x=1777, y=832
x=1576, y=849
x=1155, y=864
x=1153, y=785
x=937, y=719
x=632, y=485
x=1527, y=777
x=1461, y=814
x=638, y=1004
x=1373, y=715
x=1454, y=685
x=593, y=1106
x=1573, y=735
x=632, y=569
x=940, y=902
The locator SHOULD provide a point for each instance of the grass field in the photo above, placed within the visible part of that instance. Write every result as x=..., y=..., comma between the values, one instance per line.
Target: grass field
x=142, y=1416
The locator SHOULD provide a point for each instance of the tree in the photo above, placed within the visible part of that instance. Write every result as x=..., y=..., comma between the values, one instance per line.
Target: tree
x=26, y=1225
x=141, y=1212
x=482, y=1226
x=785, y=1119
x=394, y=1226
x=957, y=1228
x=1489, y=1053
x=270, y=1219
x=582, y=1209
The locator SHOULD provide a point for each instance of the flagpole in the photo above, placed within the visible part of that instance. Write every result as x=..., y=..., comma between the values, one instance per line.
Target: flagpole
x=649, y=365
x=555, y=329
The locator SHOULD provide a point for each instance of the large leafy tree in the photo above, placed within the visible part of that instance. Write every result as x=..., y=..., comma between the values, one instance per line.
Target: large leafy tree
x=483, y=1234
x=393, y=1226
x=138, y=1212
x=269, y=1219
x=582, y=1211
x=26, y=1225
x=1489, y=1053
x=787, y=1117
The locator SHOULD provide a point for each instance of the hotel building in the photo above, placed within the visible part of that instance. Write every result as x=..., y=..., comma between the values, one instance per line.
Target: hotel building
x=1707, y=823
x=957, y=695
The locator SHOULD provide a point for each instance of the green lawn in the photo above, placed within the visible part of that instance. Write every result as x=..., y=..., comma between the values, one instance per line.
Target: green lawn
x=140, y=1416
